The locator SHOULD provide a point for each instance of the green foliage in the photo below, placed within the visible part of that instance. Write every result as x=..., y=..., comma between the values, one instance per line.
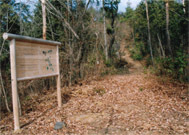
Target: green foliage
x=180, y=62
x=128, y=16
x=141, y=89
x=136, y=56
x=173, y=66
x=138, y=51
x=118, y=66
x=109, y=30
x=109, y=63
x=111, y=7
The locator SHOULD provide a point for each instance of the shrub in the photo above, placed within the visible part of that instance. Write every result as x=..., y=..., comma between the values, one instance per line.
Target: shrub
x=174, y=67
x=138, y=51
x=120, y=63
x=108, y=63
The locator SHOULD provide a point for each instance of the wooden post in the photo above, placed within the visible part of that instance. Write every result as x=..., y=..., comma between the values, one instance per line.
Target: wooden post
x=58, y=81
x=14, y=85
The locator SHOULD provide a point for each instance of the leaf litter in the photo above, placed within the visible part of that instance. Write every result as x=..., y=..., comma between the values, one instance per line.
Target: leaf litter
x=131, y=104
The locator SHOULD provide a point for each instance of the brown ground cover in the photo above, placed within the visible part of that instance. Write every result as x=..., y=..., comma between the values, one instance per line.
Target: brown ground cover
x=128, y=104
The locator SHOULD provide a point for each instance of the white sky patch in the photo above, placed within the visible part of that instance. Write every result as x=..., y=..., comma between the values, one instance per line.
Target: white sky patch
x=31, y=3
x=123, y=4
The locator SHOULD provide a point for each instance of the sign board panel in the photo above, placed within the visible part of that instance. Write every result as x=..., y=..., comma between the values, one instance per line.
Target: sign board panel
x=35, y=60
x=32, y=58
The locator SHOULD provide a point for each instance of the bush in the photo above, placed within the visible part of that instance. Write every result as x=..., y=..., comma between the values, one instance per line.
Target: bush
x=138, y=51
x=136, y=56
x=174, y=67
x=108, y=63
x=120, y=63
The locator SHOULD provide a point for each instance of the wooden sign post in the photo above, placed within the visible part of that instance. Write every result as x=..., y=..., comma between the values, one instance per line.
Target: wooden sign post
x=32, y=58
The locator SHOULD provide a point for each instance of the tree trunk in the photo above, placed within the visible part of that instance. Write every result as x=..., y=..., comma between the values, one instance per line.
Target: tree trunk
x=70, y=48
x=134, y=33
x=43, y=3
x=20, y=19
x=105, y=39
x=149, y=35
x=52, y=33
x=3, y=90
x=183, y=3
x=188, y=47
x=44, y=19
x=7, y=26
x=160, y=45
x=113, y=33
x=167, y=27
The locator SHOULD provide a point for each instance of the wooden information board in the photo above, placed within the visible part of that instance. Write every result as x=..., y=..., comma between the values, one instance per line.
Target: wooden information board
x=32, y=58
x=35, y=60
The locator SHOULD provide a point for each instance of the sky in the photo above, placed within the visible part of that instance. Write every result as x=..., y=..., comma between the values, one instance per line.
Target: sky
x=123, y=4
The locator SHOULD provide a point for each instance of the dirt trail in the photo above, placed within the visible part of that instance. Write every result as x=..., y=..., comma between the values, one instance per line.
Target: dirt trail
x=134, y=104
x=135, y=66
x=126, y=42
x=129, y=104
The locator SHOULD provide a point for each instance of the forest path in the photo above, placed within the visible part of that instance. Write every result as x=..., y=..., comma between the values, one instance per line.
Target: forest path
x=137, y=103
x=127, y=42
x=134, y=66
x=129, y=104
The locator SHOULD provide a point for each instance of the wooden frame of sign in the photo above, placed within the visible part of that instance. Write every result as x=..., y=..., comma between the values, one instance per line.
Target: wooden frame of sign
x=32, y=58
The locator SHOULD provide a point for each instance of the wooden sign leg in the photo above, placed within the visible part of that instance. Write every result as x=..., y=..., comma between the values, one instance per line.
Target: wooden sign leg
x=14, y=85
x=59, y=92
x=58, y=81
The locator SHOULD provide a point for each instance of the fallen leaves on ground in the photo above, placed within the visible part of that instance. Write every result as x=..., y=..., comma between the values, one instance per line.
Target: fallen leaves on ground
x=121, y=104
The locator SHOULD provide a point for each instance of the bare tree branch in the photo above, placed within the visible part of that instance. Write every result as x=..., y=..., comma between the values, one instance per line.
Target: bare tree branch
x=62, y=18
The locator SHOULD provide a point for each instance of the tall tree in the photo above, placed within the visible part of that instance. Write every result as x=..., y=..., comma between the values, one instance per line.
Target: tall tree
x=70, y=45
x=44, y=18
x=43, y=4
x=167, y=27
x=20, y=19
x=183, y=3
x=105, y=38
x=9, y=22
x=111, y=8
x=149, y=35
